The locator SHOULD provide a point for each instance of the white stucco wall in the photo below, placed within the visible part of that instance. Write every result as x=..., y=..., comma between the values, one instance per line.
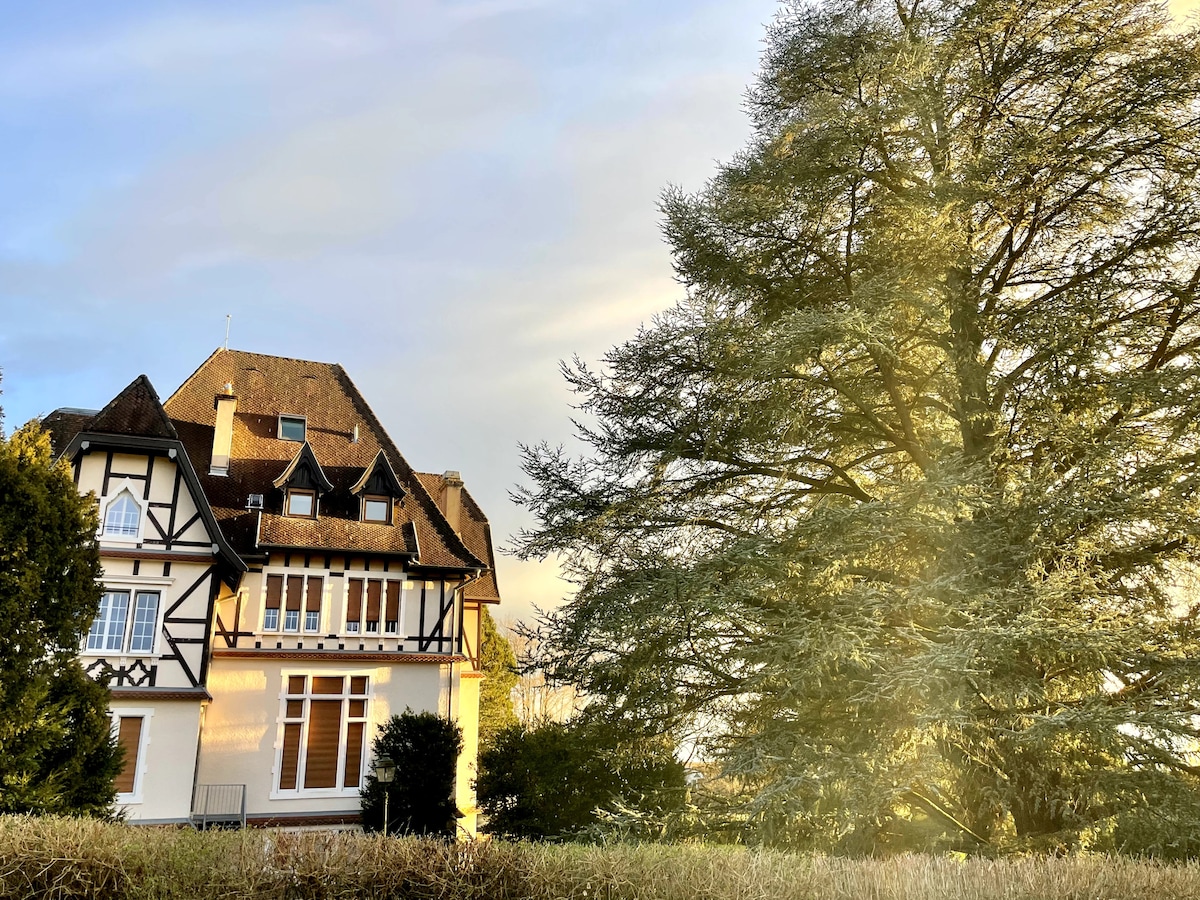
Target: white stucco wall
x=242, y=740
x=166, y=762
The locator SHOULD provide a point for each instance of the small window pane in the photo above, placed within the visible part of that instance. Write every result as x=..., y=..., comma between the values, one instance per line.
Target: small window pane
x=271, y=620
x=291, y=620
x=145, y=617
x=291, y=428
x=311, y=620
x=295, y=709
x=375, y=510
x=358, y=684
x=352, y=628
x=358, y=709
x=122, y=515
x=296, y=684
x=299, y=503
x=108, y=628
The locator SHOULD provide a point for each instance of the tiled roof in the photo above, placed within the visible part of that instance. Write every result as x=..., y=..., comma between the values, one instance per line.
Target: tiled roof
x=135, y=411
x=64, y=424
x=475, y=532
x=334, y=410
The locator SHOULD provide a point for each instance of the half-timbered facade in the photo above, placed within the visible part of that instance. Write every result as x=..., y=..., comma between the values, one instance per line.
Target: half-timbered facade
x=278, y=583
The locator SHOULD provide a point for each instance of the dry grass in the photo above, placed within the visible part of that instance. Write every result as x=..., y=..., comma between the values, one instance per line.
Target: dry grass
x=44, y=858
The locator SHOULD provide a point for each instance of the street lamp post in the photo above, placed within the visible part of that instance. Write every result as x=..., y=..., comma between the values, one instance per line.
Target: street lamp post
x=385, y=772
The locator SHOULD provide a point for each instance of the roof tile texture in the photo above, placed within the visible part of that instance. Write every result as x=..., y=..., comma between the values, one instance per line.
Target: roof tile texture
x=269, y=386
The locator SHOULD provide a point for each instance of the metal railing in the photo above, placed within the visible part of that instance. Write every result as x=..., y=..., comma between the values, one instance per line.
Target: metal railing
x=219, y=806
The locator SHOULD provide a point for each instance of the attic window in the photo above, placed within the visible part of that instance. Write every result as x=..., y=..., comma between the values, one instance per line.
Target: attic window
x=291, y=428
x=122, y=516
x=377, y=508
x=301, y=503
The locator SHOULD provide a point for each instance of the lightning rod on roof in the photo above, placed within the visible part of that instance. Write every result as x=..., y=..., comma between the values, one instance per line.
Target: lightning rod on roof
x=227, y=318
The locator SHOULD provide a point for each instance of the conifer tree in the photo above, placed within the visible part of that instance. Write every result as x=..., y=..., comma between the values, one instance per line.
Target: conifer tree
x=499, y=666
x=57, y=754
x=898, y=506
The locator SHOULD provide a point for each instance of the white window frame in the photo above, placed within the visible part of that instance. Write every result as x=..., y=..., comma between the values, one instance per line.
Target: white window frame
x=115, y=490
x=146, y=714
x=303, y=420
x=367, y=719
x=359, y=628
x=131, y=589
x=302, y=620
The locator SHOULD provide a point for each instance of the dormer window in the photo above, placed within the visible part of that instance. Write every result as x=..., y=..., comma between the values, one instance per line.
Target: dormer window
x=303, y=483
x=376, y=508
x=122, y=516
x=378, y=489
x=301, y=503
x=291, y=428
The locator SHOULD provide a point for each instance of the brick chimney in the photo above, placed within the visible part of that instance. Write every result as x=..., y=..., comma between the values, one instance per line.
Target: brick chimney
x=452, y=499
x=225, y=403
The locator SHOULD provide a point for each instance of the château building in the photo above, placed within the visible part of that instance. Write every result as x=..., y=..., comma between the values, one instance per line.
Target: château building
x=278, y=583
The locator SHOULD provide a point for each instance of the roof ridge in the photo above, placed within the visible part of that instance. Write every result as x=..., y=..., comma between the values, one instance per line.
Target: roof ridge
x=313, y=362
x=127, y=397
x=195, y=372
x=439, y=521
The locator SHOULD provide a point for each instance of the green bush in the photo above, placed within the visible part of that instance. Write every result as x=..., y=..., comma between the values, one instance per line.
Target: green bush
x=425, y=747
x=556, y=781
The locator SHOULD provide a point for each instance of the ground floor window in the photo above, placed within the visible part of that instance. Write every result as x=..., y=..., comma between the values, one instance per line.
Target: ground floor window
x=324, y=721
x=131, y=732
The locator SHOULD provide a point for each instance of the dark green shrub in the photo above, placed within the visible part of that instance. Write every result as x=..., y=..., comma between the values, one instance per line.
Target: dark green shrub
x=425, y=748
x=551, y=781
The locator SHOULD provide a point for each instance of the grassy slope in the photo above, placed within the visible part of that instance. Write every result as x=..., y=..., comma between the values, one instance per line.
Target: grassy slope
x=42, y=858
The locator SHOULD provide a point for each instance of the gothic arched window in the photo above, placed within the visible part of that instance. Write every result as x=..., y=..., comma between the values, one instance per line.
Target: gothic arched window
x=122, y=516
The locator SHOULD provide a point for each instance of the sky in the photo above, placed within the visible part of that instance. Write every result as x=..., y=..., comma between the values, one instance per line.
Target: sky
x=447, y=197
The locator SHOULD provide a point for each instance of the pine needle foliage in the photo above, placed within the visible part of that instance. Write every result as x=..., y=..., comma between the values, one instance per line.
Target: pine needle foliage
x=57, y=754
x=897, y=509
x=499, y=665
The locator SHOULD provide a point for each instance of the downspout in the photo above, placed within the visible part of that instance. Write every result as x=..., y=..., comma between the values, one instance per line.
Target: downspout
x=458, y=608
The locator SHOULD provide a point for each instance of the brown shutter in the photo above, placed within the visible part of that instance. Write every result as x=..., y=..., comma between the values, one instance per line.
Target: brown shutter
x=291, y=757
x=354, y=601
x=373, y=590
x=129, y=737
x=314, y=595
x=393, y=601
x=328, y=684
x=274, y=590
x=295, y=584
x=324, y=737
x=354, y=742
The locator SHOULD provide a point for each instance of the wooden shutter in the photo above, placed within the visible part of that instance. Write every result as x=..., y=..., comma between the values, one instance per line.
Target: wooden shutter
x=274, y=590
x=295, y=585
x=354, y=601
x=324, y=737
x=291, y=757
x=393, y=601
x=373, y=591
x=313, y=601
x=129, y=737
x=354, y=743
